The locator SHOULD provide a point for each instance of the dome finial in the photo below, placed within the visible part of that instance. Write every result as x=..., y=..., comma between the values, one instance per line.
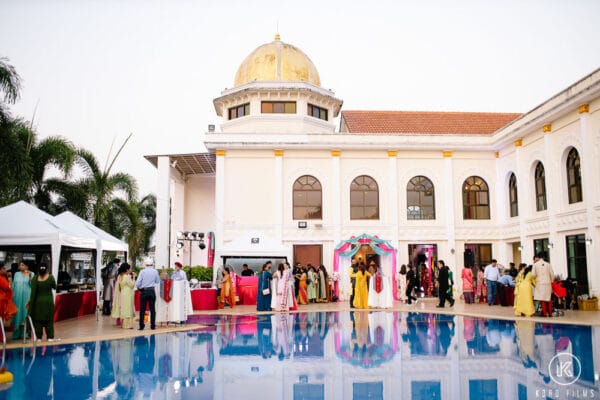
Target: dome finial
x=277, y=37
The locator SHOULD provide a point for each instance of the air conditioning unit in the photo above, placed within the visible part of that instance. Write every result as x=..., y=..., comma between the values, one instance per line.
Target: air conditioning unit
x=319, y=226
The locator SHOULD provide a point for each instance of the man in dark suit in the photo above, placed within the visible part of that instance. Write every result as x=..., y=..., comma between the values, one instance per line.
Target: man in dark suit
x=444, y=285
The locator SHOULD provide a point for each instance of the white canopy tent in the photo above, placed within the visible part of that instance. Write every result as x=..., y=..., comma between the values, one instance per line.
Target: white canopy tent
x=22, y=224
x=104, y=240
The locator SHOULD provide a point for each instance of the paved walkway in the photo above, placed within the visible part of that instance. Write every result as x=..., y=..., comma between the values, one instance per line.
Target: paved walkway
x=87, y=329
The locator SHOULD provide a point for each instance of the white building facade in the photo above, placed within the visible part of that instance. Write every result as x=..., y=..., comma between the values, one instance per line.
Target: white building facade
x=461, y=187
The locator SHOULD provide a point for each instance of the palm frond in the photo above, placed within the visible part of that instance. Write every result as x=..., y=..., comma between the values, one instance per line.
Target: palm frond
x=107, y=171
x=10, y=81
x=123, y=182
x=88, y=162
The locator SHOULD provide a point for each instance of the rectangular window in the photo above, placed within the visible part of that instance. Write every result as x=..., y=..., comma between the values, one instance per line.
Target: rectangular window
x=484, y=389
x=577, y=263
x=278, y=107
x=306, y=391
x=541, y=246
x=239, y=111
x=318, y=112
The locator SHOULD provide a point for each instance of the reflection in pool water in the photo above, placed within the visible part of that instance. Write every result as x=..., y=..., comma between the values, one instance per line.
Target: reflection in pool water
x=319, y=356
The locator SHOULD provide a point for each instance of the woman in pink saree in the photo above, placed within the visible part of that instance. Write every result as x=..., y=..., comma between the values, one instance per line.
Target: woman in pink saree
x=467, y=284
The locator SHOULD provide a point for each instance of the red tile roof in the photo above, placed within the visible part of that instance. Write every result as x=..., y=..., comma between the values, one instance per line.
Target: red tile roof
x=425, y=122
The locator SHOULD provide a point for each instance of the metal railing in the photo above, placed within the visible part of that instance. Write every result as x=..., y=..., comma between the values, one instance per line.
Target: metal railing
x=3, y=342
x=33, y=337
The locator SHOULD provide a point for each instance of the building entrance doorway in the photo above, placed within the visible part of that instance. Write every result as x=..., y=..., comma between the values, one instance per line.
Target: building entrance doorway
x=366, y=254
x=577, y=262
x=424, y=258
x=308, y=254
x=478, y=254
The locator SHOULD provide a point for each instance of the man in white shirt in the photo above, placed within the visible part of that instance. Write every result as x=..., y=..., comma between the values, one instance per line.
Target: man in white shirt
x=491, y=276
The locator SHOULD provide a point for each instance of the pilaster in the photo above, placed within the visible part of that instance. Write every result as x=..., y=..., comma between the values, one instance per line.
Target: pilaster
x=163, y=211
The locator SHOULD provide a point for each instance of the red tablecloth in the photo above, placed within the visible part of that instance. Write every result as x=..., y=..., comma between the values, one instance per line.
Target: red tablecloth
x=246, y=289
x=73, y=305
x=509, y=293
x=202, y=299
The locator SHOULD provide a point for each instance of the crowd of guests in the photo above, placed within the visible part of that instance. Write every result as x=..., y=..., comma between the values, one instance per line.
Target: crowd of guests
x=370, y=287
x=532, y=286
x=285, y=288
x=26, y=294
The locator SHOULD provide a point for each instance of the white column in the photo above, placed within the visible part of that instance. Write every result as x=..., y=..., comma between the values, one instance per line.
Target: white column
x=163, y=211
x=501, y=251
x=219, y=200
x=523, y=204
x=393, y=186
x=279, y=195
x=553, y=203
x=178, y=221
x=393, y=204
x=448, y=200
x=336, y=206
x=590, y=196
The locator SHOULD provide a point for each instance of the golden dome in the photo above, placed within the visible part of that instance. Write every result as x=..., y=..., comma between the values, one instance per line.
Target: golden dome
x=277, y=61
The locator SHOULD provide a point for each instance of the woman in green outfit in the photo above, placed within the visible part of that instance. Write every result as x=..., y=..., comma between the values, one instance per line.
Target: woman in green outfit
x=41, y=303
x=21, y=293
x=123, y=301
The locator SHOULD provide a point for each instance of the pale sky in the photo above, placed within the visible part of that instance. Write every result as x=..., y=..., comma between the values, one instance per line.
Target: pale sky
x=101, y=69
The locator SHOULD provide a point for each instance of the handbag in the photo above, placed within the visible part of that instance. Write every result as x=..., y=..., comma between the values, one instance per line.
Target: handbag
x=266, y=291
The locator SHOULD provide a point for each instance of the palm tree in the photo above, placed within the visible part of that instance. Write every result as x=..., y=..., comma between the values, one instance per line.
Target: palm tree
x=10, y=85
x=97, y=188
x=135, y=221
x=52, y=151
x=15, y=164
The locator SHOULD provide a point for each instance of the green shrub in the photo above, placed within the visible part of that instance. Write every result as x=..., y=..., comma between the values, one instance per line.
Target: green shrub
x=199, y=272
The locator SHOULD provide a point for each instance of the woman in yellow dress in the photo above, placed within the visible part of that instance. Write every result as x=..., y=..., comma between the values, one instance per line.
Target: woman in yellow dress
x=361, y=289
x=227, y=290
x=123, y=300
x=524, y=293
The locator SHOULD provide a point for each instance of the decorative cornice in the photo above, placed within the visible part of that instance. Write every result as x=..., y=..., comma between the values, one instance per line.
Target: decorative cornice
x=518, y=142
x=547, y=128
x=220, y=152
x=392, y=153
x=336, y=153
x=278, y=152
x=446, y=154
x=584, y=108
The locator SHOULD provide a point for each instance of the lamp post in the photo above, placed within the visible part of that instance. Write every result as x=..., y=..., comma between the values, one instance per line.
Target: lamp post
x=190, y=237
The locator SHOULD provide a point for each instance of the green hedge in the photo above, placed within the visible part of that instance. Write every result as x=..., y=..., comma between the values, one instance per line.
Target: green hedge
x=198, y=272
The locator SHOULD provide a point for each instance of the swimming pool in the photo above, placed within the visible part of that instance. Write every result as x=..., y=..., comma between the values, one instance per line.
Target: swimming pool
x=333, y=355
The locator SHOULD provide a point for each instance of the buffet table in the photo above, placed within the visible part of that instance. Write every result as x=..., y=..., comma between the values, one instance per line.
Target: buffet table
x=202, y=299
x=509, y=293
x=75, y=304
x=246, y=289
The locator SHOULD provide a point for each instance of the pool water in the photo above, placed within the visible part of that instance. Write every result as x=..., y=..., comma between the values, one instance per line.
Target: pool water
x=333, y=355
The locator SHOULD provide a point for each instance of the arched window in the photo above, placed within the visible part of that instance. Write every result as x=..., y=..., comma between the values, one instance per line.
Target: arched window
x=364, y=198
x=476, y=198
x=574, y=177
x=540, y=187
x=514, y=198
x=308, y=198
x=420, y=198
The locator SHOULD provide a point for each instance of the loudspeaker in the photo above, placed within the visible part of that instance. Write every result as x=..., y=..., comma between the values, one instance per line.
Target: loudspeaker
x=469, y=258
